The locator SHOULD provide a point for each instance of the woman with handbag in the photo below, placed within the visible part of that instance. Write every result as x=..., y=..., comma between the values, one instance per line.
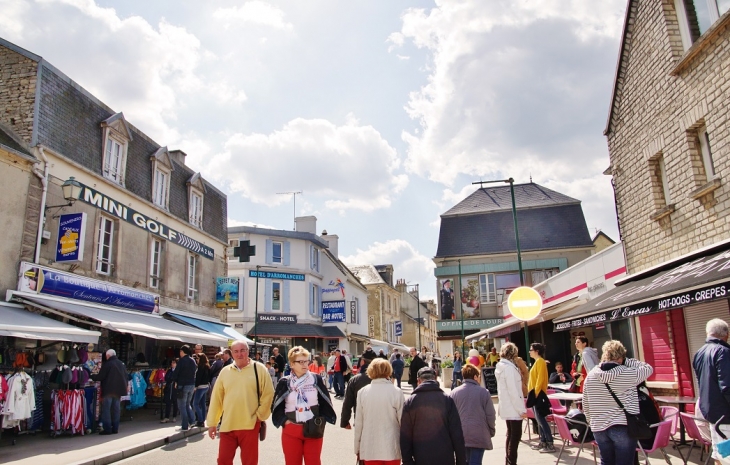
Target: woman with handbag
x=611, y=403
x=538, y=383
x=302, y=405
x=511, y=398
x=377, y=420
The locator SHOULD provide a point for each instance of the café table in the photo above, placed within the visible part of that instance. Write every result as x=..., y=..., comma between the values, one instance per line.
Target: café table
x=568, y=397
x=681, y=402
x=560, y=386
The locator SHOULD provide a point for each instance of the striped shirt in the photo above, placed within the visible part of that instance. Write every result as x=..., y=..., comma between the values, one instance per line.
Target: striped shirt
x=599, y=406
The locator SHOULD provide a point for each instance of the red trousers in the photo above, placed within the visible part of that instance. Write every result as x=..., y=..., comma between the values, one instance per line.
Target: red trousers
x=246, y=439
x=297, y=447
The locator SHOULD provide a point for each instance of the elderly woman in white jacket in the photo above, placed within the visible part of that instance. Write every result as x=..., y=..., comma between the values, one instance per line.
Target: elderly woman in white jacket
x=377, y=420
x=511, y=401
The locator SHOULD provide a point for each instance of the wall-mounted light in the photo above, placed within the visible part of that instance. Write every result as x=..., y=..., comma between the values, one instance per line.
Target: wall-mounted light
x=71, y=191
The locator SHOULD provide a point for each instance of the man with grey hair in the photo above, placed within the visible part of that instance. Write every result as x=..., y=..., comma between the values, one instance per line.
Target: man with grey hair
x=113, y=378
x=430, y=428
x=712, y=367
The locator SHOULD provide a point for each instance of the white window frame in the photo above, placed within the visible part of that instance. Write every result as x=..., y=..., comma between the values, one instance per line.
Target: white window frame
x=680, y=7
x=279, y=301
x=114, y=160
x=192, y=277
x=491, y=294
x=105, y=246
x=664, y=180
x=706, y=153
x=161, y=187
x=196, y=208
x=314, y=258
x=357, y=311
x=155, y=263
x=274, y=258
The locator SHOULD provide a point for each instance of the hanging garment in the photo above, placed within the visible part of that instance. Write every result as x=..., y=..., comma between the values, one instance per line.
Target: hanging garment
x=137, y=397
x=20, y=401
x=68, y=411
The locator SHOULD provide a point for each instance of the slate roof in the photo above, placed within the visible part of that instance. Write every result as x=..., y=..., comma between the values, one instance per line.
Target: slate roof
x=8, y=142
x=298, y=330
x=499, y=198
x=367, y=274
x=554, y=227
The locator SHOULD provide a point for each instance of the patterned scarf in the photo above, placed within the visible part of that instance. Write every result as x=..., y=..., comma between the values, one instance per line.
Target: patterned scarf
x=297, y=385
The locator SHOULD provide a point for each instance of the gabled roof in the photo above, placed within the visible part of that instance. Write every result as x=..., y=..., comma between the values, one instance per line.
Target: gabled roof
x=196, y=181
x=14, y=144
x=162, y=155
x=367, y=274
x=499, y=198
x=118, y=122
x=548, y=228
x=601, y=233
x=344, y=269
x=625, y=39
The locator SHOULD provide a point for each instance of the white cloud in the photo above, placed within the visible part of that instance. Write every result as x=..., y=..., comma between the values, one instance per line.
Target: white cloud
x=347, y=167
x=255, y=12
x=408, y=263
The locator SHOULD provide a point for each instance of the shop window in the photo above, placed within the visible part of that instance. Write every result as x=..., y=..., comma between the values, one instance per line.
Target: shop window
x=192, y=277
x=695, y=17
x=155, y=259
x=487, y=288
x=104, y=248
x=276, y=295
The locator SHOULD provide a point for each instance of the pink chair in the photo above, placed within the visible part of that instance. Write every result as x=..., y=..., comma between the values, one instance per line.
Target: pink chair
x=672, y=413
x=693, y=431
x=557, y=407
x=530, y=417
x=564, y=432
x=661, y=440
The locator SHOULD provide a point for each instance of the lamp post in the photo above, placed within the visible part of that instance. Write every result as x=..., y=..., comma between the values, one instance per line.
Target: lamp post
x=256, y=312
x=511, y=183
x=463, y=341
x=71, y=189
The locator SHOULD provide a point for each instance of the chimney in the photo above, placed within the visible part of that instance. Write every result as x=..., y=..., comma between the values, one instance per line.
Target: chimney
x=178, y=156
x=306, y=224
x=400, y=285
x=332, y=239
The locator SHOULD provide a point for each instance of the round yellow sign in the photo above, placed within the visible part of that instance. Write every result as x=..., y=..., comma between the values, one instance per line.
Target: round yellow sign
x=524, y=303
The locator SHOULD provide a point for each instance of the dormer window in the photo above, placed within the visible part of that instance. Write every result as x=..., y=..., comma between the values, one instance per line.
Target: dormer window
x=162, y=168
x=117, y=137
x=196, y=193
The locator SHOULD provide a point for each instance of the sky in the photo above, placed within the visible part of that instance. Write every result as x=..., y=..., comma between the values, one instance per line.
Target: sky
x=380, y=112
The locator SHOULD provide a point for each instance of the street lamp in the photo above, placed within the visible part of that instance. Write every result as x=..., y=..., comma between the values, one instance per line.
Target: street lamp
x=511, y=183
x=71, y=189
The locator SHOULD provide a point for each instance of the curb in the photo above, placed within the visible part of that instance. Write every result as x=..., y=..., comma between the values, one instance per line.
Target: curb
x=117, y=455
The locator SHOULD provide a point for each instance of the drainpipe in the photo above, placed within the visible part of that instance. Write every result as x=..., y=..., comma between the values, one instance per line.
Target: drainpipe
x=42, y=215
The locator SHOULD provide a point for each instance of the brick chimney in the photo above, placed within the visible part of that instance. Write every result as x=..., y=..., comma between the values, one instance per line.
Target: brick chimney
x=306, y=224
x=178, y=156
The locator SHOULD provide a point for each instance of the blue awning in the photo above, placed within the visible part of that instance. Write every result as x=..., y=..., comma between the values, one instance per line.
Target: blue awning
x=219, y=329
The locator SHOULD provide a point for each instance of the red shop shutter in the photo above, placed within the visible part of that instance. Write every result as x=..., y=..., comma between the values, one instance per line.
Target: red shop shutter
x=657, y=349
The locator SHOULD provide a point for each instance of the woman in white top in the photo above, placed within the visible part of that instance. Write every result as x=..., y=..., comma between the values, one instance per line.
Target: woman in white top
x=377, y=421
x=511, y=406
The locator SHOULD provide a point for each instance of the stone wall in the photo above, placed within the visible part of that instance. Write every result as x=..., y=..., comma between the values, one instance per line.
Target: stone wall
x=657, y=109
x=17, y=92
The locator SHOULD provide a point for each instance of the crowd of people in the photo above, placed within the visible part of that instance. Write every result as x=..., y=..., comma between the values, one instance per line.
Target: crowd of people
x=430, y=426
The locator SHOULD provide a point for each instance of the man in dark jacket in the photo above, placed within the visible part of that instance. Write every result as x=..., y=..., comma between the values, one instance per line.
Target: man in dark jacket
x=417, y=363
x=340, y=367
x=359, y=381
x=280, y=363
x=712, y=367
x=430, y=428
x=113, y=378
x=185, y=385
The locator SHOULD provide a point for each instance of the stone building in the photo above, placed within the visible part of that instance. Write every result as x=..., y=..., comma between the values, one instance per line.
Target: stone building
x=668, y=133
x=383, y=301
x=127, y=230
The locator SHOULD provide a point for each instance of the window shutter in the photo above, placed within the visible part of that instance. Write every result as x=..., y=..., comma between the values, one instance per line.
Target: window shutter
x=267, y=295
x=269, y=251
x=311, y=257
x=311, y=299
x=241, y=287
x=319, y=300
x=316, y=253
x=285, y=296
x=287, y=248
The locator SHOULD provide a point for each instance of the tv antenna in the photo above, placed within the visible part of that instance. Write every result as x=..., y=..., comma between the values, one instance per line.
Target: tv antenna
x=294, y=196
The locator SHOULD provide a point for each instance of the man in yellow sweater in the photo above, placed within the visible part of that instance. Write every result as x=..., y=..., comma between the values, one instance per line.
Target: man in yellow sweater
x=235, y=398
x=539, y=382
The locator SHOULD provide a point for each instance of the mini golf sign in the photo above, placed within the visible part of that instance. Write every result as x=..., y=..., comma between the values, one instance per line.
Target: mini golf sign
x=524, y=303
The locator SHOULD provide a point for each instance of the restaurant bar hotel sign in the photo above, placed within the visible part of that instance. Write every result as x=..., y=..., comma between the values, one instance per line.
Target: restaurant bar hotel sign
x=47, y=281
x=71, y=235
x=702, y=280
x=121, y=211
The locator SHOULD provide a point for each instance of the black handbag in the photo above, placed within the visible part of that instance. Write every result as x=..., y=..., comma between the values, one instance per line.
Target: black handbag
x=637, y=425
x=314, y=427
x=262, y=424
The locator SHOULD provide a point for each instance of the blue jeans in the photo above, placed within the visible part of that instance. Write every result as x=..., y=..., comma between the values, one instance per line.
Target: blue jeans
x=456, y=375
x=339, y=383
x=110, y=413
x=183, y=403
x=398, y=377
x=616, y=446
x=474, y=456
x=199, y=403
x=546, y=435
x=331, y=380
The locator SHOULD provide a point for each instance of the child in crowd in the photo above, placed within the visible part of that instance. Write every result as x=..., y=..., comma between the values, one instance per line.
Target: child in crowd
x=272, y=372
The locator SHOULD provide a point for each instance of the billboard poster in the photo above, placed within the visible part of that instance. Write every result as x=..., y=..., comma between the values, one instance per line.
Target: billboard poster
x=226, y=292
x=470, y=297
x=333, y=311
x=47, y=281
x=447, y=299
x=71, y=235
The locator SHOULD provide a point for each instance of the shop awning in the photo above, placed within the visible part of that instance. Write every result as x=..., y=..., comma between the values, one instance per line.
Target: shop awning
x=296, y=330
x=359, y=337
x=152, y=326
x=15, y=321
x=693, y=281
x=512, y=325
x=219, y=329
